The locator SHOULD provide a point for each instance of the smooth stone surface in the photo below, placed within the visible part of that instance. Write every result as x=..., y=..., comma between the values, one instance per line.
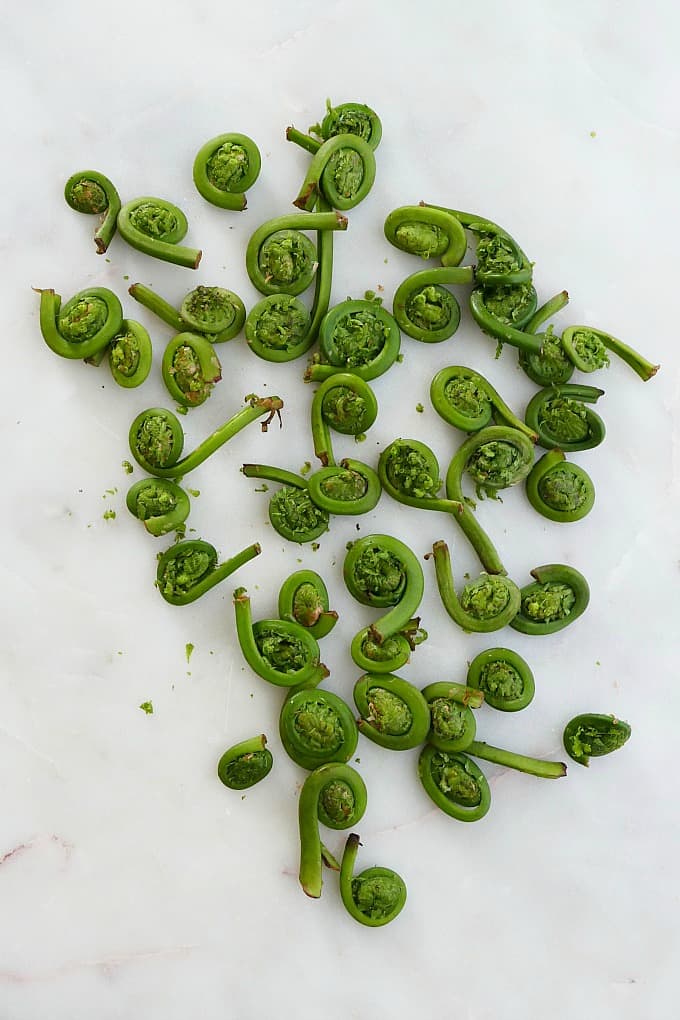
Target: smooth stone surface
x=132, y=884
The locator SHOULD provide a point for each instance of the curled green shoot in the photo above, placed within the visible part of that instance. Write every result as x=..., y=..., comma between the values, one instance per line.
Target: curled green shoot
x=562, y=419
x=214, y=312
x=317, y=727
x=343, y=403
x=559, y=490
x=591, y=735
x=90, y=192
x=424, y=309
x=303, y=598
x=429, y=233
x=189, y=569
x=156, y=437
x=341, y=172
x=588, y=349
x=349, y=119
x=356, y=336
x=468, y=401
x=190, y=369
x=381, y=571
x=280, y=259
x=335, y=795
x=558, y=596
x=409, y=473
x=155, y=227
x=375, y=896
x=500, y=260
x=484, y=605
x=224, y=169
x=452, y=725
x=393, y=713
x=245, y=764
x=84, y=327
x=281, y=652
x=454, y=783
x=159, y=503
x=495, y=458
x=503, y=677
x=292, y=512
x=130, y=355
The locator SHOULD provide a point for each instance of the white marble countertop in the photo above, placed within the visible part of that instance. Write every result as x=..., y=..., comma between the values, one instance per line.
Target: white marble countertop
x=132, y=884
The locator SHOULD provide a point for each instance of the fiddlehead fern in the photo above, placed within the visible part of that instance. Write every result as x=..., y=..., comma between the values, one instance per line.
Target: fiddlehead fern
x=224, y=169
x=356, y=336
x=350, y=487
x=334, y=794
x=82, y=328
x=454, y=783
x=160, y=504
x=393, y=712
x=424, y=309
x=381, y=571
x=409, y=473
x=317, y=727
x=90, y=192
x=215, y=312
x=292, y=512
x=496, y=307
x=375, y=896
x=130, y=355
x=540, y=355
x=245, y=764
x=303, y=598
x=587, y=348
x=190, y=569
x=155, y=227
x=484, y=605
x=495, y=458
x=500, y=260
x=452, y=721
x=281, y=652
x=344, y=403
x=466, y=400
x=430, y=233
x=349, y=119
x=592, y=735
x=156, y=437
x=559, y=595
x=520, y=762
x=341, y=172
x=560, y=490
x=190, y=369
x=280, y=259
x=504, y=678
x=561, y=418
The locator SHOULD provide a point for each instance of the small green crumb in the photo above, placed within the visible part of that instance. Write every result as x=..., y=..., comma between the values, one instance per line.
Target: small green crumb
x=597, y=662
x=369, y=295
x=147, y=706
x=188, y=649
x=358, y=760
x=593, y=134
x=127, y=467
x=180, y=532
x=243, y=796
x=126, y=277
x=306, y=468
x=181, y=410
x=466, y=575
x=262, y=488
x=315, y=546
x=299, y=560
x=109, y=492
x=194, y=492
x=109, y=515
x=119, y=653
x=419, y=408
x=385, y=261
x=108, y=260
x=400, y=358
x=360, y=437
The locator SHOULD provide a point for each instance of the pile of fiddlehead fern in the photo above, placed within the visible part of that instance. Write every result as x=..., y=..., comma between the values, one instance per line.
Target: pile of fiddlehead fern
x=358, y=341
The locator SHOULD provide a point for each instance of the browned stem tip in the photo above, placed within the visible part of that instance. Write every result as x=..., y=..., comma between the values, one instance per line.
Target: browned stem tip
x=198, y=260
x=100, y=245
